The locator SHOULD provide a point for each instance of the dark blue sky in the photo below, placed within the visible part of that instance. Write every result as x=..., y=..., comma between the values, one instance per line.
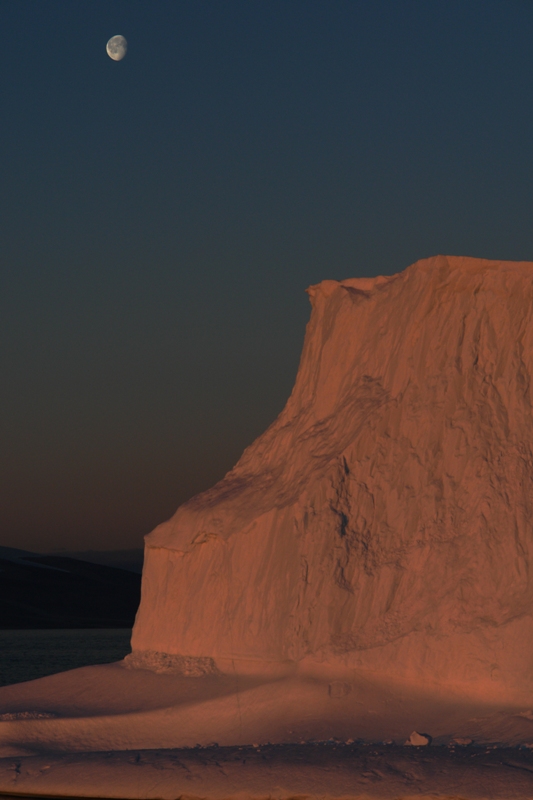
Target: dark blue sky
x=161, y=217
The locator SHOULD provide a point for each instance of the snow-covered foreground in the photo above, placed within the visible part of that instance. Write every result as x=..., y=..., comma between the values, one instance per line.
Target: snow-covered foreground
x=279, y=771
x=109, y=731
x=110, y=707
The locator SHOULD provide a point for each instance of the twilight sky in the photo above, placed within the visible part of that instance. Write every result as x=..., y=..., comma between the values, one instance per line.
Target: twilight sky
x=161, y=217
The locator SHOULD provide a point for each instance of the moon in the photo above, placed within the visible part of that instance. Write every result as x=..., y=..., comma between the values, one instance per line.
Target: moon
x=116, y=48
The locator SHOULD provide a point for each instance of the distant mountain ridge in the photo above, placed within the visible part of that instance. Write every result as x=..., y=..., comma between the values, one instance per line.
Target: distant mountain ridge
x=57, y=591
x=131, y=559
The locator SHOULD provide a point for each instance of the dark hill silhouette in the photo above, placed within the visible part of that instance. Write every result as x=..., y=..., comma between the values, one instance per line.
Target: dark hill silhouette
x=131, y=559
x=42, y=591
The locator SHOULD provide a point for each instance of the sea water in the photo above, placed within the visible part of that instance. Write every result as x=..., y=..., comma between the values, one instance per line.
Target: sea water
x=26, y=655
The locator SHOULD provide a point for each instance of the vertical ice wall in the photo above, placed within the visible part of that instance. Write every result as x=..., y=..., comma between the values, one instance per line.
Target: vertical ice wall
x=385, y=519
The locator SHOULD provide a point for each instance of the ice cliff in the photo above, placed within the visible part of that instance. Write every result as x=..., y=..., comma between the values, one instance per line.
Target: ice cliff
x=384, y=521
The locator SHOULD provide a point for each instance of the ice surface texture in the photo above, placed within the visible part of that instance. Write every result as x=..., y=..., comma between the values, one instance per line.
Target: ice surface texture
x=384, y=521
x=166, y=664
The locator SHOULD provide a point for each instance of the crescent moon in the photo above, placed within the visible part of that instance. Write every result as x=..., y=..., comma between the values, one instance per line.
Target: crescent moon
x=116, y=48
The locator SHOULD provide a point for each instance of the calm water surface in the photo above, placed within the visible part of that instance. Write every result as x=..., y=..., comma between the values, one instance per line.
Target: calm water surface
x=25, y=655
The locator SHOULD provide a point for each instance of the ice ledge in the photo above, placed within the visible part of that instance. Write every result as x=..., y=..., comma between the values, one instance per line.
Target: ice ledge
x=170, y=664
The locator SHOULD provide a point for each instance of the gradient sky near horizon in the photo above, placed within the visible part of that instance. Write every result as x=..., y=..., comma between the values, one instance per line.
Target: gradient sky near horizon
x=161, y=217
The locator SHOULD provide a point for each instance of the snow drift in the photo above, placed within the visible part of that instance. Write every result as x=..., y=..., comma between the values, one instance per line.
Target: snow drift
x=384, y=521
